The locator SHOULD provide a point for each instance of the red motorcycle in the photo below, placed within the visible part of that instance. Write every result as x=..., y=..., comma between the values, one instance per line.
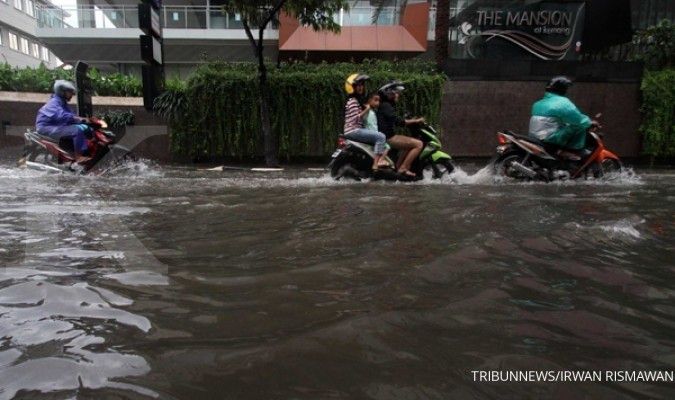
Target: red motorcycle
x=45, y=153
x=526, y=158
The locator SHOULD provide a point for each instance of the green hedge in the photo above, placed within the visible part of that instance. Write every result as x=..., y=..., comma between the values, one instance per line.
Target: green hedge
x=658, y=109
x=216, y=114
x=41, y=80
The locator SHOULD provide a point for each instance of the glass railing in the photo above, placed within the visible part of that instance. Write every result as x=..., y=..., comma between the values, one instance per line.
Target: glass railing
x=363, y=16
x=126, y=16
x=181, y=17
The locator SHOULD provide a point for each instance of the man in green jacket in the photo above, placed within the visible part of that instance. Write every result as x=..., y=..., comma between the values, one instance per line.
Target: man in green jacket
x=557, y=121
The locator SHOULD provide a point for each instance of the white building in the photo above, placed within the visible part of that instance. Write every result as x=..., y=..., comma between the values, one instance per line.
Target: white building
x=105, y=34
x=19, y=44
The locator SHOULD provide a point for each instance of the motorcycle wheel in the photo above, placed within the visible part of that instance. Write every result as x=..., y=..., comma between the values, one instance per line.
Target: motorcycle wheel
x=503, y=166
x=608, y=166
x=111, y=158
x=121, y=154
x=42, y=157
x=342, y=167
x=441, y=168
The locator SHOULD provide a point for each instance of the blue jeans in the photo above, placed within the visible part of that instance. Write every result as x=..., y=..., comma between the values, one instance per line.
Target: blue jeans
x=377, y=139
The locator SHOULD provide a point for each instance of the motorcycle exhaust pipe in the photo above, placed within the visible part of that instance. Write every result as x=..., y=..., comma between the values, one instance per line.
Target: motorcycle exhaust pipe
x=528, y=172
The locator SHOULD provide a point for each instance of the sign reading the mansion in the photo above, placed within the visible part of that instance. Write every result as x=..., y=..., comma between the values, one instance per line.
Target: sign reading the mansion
x=542, y=30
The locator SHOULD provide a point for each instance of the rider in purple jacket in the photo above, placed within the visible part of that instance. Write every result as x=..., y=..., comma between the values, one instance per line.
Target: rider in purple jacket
x=56, y=120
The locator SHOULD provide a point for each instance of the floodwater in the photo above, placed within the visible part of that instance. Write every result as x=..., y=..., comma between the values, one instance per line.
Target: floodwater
x=174, y=283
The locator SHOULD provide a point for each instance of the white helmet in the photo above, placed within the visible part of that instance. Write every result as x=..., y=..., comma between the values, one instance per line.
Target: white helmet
x=392, y=87
x=62, y=86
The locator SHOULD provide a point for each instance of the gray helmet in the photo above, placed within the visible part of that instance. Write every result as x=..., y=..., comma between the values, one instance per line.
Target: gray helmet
x=559, y=85
x=392, y=87
x=62, y=86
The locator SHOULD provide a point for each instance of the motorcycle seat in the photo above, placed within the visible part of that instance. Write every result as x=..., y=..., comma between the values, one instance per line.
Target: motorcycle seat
x=351, y=139
x=64, y=143
x=527, y=138
x=37, y=136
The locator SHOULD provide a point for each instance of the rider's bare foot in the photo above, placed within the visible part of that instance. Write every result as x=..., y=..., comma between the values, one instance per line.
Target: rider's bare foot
x=407, y=173
x=82, y=159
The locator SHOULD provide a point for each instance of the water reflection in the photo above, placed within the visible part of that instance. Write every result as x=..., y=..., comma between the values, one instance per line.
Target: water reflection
x=176, y=283
x=56, y=321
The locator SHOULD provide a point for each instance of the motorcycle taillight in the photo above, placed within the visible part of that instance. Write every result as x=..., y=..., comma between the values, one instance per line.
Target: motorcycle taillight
x=501, y=139
x=341, y=142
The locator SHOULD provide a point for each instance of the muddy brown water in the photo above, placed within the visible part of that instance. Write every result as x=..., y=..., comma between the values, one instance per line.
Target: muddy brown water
x=174, y=283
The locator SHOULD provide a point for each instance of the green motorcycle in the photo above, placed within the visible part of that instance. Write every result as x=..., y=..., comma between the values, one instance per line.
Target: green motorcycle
x=355, y=159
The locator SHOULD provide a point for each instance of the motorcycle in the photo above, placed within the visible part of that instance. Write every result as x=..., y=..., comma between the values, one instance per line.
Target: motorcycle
x=526, y=158
x=45, y=153
x=355, y=159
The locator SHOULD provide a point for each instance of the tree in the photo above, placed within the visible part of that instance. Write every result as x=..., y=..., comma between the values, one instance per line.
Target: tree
x=656, y=45
x=258, y=14
x=442, y=29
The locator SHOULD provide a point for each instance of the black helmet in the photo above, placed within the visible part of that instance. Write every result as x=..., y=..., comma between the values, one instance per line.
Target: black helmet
x=392, y=87
x=559, y=85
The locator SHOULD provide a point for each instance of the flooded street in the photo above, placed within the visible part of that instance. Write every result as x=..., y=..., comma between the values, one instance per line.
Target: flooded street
x=174, y=283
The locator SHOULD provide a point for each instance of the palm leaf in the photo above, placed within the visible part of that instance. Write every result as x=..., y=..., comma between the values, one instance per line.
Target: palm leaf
x=380, y=6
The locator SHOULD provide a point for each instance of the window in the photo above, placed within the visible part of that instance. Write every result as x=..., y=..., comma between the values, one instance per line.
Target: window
x=1, y=43
x=30, y=8
x=18, y=4
x=45, y=54
x=13, y=41
x=24, y=45
x=35, y=50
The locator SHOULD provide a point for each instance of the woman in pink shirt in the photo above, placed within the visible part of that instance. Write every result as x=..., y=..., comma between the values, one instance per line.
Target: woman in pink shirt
x=355, y=112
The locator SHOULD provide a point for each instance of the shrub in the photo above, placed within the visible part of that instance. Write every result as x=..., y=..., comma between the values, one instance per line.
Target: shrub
x=41, y=80
x=658, y=110
x=216, y=114
x=117, y=119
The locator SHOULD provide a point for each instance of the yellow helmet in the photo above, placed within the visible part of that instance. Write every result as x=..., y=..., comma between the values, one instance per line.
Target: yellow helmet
x=354, y=79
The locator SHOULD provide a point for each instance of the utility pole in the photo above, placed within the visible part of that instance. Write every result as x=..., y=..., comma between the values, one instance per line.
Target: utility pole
x=152, y=50
x=84, y=90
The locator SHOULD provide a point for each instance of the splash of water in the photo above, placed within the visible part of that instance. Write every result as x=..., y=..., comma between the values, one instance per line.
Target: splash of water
x=624, y=227
x=140, y=168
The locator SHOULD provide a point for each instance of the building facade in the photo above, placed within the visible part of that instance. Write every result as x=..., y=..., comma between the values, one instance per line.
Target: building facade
x=105, y=32
x=19, y=44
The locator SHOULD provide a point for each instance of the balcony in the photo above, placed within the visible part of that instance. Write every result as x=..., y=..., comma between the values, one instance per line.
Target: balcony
x=109, y=34
x=182, y=17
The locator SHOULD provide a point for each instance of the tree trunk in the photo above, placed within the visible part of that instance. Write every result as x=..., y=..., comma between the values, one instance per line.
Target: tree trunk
x=270, y=143
x=269, y=139
x=442, y=30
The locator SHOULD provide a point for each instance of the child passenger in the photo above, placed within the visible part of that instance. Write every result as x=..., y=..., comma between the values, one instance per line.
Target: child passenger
x=370, y=120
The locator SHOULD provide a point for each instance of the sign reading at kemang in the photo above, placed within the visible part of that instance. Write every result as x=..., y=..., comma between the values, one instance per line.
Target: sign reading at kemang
x=544, y=30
